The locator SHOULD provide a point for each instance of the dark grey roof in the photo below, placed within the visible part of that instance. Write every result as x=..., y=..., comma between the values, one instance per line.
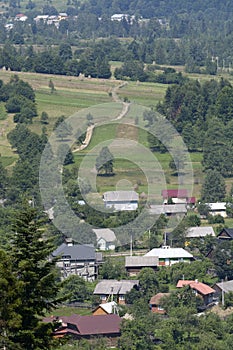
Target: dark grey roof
x=120, y=196
x=115, y=287
x=76, y=251
x=141, y=261
x=229, y=231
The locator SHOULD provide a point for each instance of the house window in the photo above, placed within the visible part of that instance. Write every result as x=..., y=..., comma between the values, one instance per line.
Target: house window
x=160, y=308
x=121, y=297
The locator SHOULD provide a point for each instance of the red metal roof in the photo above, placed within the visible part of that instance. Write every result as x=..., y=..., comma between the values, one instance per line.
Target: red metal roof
x=191, y=200
x=200, y=287
x=179, y=193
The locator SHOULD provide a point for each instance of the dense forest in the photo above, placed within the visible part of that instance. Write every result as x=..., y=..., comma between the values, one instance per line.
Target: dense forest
x=193, y=34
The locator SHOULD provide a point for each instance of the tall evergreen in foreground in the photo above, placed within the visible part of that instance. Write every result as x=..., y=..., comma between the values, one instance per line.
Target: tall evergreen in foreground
x=32, y=278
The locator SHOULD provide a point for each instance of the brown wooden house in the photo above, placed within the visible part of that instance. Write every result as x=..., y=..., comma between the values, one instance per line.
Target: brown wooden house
x=88, y=327
x=155, y=303
x=106, y=309
x=226, y=234
x=134, y=264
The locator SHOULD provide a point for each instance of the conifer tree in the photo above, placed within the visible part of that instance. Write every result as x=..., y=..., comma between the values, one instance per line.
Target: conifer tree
x=36, y=277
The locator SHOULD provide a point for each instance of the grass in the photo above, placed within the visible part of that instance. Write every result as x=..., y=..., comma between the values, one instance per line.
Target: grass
x=146, y=94
x=68, y=311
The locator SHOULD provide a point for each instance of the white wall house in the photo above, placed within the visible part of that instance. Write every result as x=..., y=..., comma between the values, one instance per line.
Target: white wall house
x=121, y=200
x=218, y=208
x=105, y=239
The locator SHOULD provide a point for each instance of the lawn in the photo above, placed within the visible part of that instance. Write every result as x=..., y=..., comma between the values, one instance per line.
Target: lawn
x=146, y=94
x=69, y=310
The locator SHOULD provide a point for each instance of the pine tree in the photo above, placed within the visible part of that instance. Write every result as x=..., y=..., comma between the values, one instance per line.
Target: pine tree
x=104, y=162
x=36, y=276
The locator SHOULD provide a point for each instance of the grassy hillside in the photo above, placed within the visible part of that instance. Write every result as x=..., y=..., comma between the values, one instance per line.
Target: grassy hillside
x=73, y=95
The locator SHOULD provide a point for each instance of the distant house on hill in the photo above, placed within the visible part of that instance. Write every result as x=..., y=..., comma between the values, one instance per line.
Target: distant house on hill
x=200, y=232
x=168, y=209
x=105, y=238
x=121, y=200
x=218, y=208
x=177, y=196
x=226, y=234
x=201, y=289
x=168, y=256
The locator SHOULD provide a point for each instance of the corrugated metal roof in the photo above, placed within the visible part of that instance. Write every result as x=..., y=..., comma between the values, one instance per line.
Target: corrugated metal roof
x=226, y=286
x=168, y=252
x=217, y=206
x=167, y=209
x=200, y=287
x=120, y=196
x=105, y=233
x=141, y=261
x=92, y=325
x=115, y=287
x=109, y=307
x=193, y=232
x=176, y=193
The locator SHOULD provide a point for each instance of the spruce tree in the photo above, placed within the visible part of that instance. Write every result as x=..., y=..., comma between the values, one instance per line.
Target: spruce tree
x=36, y=275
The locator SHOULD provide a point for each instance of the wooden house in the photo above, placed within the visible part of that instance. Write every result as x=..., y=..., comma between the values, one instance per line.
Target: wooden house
x=200, y=289
x=134, y=264
x=155, y=303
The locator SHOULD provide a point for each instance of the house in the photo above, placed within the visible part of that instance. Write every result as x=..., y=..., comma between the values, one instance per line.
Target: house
x=105, y=238
x=226, y=234
x=201, y=290
x=134, y=264
x=107, y=289
x=121, y=200
x=87, y=327
x=218, y=208
x=200, y=232
x=119, y=17
x=168, y=256
x=106, y=309
x=223, y=287
x=178, y=196
x=168, y=209
x=78, y=259
x=155, y=303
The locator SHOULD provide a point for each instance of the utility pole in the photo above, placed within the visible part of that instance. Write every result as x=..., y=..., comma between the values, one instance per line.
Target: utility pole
x=131, y=245
x=223, y=300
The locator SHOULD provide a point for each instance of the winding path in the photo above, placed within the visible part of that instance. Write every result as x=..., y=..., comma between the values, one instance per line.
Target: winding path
x=123, y=112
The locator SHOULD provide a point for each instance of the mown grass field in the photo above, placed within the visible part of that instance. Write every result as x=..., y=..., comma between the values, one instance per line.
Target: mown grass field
x=78, y=96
